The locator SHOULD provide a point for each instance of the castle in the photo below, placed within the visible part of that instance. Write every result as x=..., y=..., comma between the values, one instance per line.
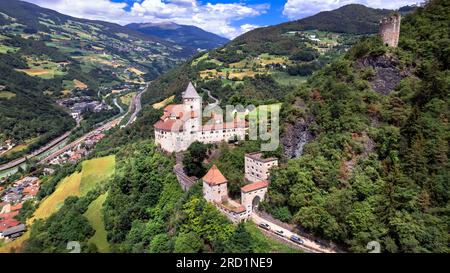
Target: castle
x=215, y=188
x=181, y=125
x=390, y=30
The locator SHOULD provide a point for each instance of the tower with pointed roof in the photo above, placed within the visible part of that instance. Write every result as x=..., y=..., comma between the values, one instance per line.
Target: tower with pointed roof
x=192, y=99
x=215, y=187
x=193, y=105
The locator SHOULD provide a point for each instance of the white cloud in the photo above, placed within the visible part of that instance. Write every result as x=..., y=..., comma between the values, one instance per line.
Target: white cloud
x=295, y=9
x=217, y=18
x=89, y=9
x=248, y=27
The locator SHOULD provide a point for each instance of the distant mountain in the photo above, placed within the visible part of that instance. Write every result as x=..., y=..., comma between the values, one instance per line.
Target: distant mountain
x=353, y=19
x=282, y=53
x=46, y=55
x=188, y=36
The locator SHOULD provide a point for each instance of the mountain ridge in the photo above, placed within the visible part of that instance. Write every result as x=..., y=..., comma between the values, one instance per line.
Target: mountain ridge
x=186, y=35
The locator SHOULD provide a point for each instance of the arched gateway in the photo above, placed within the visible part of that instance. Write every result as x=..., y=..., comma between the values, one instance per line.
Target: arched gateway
x=253, y=194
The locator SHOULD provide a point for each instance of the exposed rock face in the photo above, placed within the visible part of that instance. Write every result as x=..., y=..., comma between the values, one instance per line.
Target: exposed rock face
x=295, y=138
x=387, y=73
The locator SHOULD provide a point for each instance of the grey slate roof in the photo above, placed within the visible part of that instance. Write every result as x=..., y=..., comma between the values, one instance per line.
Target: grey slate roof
x=190, y=92
x=12, y=230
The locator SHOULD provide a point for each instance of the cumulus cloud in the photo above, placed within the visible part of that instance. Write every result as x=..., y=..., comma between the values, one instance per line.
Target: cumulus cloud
x=248, y=27
x=89, y=9
x=217, y=18
x=295, y=9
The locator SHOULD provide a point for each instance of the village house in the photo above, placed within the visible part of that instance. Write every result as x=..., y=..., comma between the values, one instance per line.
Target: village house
x=181, y=125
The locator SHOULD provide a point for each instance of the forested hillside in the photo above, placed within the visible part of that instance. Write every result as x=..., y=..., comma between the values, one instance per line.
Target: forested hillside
x=187, y=36
x=266, y=63
x=375, y=168
x=146, y=211
x=378, y=167
x=46, y=56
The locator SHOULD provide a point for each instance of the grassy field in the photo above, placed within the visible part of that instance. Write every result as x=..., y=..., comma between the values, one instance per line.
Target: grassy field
x=284, y=78
x=79, y=84
x=96, y=171
x=7, y=95
x=136, y=71
x=69, y=186
x=163, y=103
x=263, y=244
x=93, y=214
x=5, y=49
x=93, y=172
x=44, y=69
x=126, y=99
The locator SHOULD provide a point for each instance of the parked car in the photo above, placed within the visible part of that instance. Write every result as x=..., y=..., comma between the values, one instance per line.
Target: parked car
x=264, y=226
x=297, y=240
x=279, y=232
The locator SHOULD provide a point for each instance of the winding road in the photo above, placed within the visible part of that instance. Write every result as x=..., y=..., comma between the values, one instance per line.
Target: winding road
x=135, y=104
x=118, y=105
x=216, y=101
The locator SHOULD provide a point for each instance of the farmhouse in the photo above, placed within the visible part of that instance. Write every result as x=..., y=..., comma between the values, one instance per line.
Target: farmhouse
x=181, y=125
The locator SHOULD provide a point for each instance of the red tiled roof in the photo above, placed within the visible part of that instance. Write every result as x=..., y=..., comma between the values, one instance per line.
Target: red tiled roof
x=5, y=224
x=255, y=186
x=33, y=190
x=9, y=215
x=214, y=177
x=223, y=126
x=172, y=108
x=16, y=207
x=169, y=125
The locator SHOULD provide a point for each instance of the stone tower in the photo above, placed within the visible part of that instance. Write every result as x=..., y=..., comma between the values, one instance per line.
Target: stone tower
x=390, y=29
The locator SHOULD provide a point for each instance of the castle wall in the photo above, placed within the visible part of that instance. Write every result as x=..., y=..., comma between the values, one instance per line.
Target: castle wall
x=234, y=217
x=390, y=30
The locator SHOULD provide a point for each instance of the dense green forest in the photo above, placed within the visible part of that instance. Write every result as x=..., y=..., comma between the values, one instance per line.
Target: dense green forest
x=147, y=212
x=378, y=167
x=376, y=170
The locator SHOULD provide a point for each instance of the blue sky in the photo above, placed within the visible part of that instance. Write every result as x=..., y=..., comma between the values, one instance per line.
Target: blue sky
x=228, y=18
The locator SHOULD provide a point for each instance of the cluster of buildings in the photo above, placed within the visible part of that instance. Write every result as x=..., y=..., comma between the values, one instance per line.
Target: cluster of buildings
x=257, y=172
x=12, y=199
x=181, y=125
x=80, y=105
x=77, y=152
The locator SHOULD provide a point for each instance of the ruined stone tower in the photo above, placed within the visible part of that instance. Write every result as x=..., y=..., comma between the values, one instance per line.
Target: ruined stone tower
x=390, y=29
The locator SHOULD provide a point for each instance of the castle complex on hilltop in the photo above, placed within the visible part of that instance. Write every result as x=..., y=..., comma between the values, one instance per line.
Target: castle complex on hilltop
x=215, y=188
x=181, y=125
x=390, y=29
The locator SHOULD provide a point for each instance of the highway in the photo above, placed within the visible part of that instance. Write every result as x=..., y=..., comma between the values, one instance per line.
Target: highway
x=136, y=101
x=69, y=146
x=135, y=104
x=41, y=150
